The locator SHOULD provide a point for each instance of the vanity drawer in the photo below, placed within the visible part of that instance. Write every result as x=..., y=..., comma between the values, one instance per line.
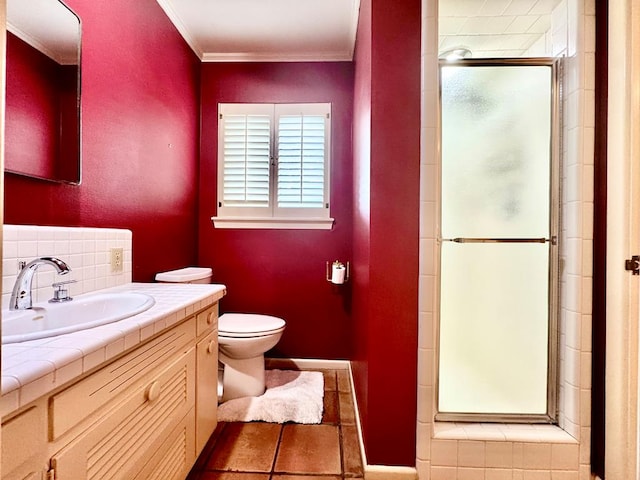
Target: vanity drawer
x=207, y=320
x=122, y=442
x=70, y=407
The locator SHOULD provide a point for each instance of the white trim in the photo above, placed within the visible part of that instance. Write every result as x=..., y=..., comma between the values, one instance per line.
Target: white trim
x=307, y=363
x=273, y=223
x=182, y=29
x=376, y=472
x=621, y=390
x=338, y=56
x=355, y=12
x=385, y=472
x=363, y=452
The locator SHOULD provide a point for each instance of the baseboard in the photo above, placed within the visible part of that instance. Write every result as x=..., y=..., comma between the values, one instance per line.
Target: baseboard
x=377, y=472
x=384, y=472
x=371, y=472
x=306, y=363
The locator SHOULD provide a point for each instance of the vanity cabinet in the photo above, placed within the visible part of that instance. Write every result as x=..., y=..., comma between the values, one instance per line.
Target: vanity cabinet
x=146, y=415
x=206, y=389
x=207, y=372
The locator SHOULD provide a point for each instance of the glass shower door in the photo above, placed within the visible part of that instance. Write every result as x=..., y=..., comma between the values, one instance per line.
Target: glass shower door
x=498, y=250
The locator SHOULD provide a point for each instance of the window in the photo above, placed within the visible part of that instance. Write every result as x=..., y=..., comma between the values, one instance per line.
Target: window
x=273, y=166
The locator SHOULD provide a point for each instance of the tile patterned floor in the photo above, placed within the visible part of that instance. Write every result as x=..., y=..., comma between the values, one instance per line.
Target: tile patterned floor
x=272, y=451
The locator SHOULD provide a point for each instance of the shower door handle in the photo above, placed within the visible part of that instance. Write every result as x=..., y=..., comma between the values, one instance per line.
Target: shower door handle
x=500, y=240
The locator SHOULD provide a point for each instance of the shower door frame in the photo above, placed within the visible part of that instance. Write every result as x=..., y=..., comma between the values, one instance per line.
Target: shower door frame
x=555, y=217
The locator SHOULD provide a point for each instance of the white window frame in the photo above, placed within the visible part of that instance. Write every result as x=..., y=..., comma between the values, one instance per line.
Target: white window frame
x=272, y=216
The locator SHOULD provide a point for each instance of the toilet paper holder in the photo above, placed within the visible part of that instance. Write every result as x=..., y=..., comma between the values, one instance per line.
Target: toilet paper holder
x=338, y=272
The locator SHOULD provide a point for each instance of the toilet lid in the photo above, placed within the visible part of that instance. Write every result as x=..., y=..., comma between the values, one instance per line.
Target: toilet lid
x=245, y=324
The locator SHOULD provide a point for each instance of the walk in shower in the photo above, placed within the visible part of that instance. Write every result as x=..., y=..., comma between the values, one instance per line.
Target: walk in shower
x=499, y=240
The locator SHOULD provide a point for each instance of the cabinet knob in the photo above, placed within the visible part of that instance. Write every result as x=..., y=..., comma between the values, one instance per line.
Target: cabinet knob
x=212, y=347
x=210, y=318
x=153, y=391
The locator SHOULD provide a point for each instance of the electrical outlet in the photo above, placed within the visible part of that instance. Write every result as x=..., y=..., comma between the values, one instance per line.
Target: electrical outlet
x=117, y=260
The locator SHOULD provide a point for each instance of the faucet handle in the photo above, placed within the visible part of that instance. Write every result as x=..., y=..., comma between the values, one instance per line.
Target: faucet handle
x=61, y=294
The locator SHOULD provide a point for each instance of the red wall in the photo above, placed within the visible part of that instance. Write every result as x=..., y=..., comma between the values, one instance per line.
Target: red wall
x=361, y=211
x=32, y=110
x=141, y=88
x=140, y=136
x=386, y=231
x=282, y=272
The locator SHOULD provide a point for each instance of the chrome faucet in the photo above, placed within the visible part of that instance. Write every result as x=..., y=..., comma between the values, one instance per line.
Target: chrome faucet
x=21, y=295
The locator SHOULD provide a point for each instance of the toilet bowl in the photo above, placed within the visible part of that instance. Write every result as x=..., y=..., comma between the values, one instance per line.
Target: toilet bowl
x=243, y=339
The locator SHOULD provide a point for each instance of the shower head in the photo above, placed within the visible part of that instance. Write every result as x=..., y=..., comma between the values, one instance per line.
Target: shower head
x=454, y=54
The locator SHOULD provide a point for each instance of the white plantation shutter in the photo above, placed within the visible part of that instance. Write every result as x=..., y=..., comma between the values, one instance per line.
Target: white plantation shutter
x=273, y=163
x=301, y=161
x=247, y=152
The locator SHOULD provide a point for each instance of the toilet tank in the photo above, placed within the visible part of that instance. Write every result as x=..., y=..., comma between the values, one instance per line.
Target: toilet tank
x=185, y=275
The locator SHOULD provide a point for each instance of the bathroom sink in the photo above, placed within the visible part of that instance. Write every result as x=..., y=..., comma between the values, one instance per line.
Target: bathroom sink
x=87, y=311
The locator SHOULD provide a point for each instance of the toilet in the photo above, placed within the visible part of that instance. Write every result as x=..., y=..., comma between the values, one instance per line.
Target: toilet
x=243, y=339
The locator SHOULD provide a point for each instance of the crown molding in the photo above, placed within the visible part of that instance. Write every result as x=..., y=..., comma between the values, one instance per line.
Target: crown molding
x=355, y=14
x=182, y=29
x=343, y=56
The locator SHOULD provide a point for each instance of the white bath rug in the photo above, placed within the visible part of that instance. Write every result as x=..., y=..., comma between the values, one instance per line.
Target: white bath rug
x=291, y=396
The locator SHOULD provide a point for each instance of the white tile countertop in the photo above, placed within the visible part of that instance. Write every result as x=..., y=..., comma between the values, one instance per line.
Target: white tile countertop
x=34, y=368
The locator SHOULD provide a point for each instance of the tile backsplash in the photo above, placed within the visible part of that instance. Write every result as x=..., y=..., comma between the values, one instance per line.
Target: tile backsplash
x=86, y=250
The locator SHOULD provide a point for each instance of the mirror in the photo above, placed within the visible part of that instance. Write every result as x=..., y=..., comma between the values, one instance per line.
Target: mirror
x=42, y=136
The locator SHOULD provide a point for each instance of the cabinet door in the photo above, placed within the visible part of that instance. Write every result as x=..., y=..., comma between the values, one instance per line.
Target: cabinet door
x=24, y=445
x=206, y=389
x=34, y=476
x=127, y=436
x=32, y=473
x=174, y=458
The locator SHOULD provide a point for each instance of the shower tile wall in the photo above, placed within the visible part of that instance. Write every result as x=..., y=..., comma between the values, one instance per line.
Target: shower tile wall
x=85, y=250
x=450, y=451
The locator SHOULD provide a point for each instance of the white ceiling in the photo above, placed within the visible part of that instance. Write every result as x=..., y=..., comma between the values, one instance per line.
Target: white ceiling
x=493, y=28
x=297, y=30
x=266, y=30
x=316, y=30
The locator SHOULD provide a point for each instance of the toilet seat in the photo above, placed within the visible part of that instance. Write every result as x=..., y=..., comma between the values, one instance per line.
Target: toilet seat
x=244, y=325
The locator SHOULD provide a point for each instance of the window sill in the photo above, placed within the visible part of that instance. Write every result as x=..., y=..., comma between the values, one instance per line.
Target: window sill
x=508, y=432
x=273, y=223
